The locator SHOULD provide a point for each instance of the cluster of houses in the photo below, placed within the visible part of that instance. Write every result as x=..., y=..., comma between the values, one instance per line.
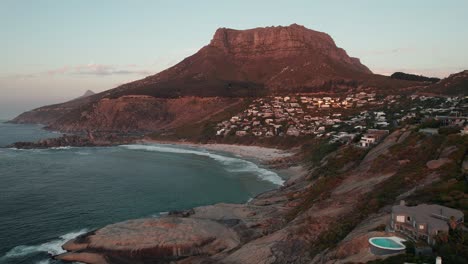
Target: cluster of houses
x=450, y=107
x=300, y=115
x=339, y=118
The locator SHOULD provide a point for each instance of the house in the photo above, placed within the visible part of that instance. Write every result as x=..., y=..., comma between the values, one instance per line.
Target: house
x=372, y=137
x=424, y=221
x=429, y=131
x=292, y=131
x=241, y=133
x=464, y=131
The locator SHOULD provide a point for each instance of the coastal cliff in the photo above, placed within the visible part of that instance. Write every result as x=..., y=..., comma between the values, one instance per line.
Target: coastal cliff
x=311, y=219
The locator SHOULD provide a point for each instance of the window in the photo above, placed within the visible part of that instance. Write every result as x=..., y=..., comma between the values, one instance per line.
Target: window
x=408, y=218
x=421, y=227
x=400, y=218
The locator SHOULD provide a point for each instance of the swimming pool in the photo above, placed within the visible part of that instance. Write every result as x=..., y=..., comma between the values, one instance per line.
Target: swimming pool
x=386, y=245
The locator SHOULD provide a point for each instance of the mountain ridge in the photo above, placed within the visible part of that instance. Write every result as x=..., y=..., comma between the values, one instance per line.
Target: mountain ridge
x=235, y=64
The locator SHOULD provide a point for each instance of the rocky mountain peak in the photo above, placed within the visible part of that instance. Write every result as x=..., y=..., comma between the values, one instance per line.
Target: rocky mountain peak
x=280, y=42
x=270, y=39
x=87, y=93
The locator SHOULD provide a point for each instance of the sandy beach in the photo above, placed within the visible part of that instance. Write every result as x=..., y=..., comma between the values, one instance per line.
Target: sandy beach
x=262, y=154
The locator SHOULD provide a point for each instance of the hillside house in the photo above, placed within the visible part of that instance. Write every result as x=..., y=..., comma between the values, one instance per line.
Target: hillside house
x=372, y=137
x=464, y=131
x=424, y=221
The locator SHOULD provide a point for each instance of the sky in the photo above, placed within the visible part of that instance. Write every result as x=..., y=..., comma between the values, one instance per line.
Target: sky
x=53, y=51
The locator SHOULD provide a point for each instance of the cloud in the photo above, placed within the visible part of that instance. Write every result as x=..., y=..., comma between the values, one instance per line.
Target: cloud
x=100, y=70
x=389, y=51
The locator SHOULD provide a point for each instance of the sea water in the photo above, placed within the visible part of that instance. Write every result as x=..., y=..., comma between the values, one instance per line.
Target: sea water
x=49, y=196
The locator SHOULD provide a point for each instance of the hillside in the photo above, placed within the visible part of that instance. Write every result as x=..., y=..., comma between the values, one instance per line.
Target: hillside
x=455, y=84
x=413, y=77
x=325, y=215
x=235, y=64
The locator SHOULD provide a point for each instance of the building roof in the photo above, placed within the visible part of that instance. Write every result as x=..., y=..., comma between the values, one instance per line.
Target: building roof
x=436, y=216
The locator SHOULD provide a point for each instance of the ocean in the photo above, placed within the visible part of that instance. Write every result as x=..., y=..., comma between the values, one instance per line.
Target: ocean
x=48, y=196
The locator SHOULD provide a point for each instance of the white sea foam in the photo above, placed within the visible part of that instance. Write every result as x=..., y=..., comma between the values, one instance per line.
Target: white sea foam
x=61, y=148
x=232, y=164
x=53, y=247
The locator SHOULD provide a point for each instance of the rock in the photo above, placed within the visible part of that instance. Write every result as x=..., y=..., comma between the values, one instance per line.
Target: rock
x=64, y=141
x=465, y=165
x=101, y=140
x=435, y=164
x=90, y=258
x=168, y=238
x=403, y=162
x=446, y=152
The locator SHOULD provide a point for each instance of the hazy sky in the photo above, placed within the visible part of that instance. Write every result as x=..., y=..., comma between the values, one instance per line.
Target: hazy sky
x=51, y=51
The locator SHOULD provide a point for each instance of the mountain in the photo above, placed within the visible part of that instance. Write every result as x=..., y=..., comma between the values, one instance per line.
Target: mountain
x=413, y=77
x=455, y=84
x=235, y=64
x=87, y=93
x=254, y=61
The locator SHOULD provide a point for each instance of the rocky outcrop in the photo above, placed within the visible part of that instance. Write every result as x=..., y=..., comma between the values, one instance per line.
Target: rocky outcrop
x=207, y=234
x=91, y=140
x=435, y=164
x=87, y=93
x=282, y=42
x=64, y=141
x=165, y=239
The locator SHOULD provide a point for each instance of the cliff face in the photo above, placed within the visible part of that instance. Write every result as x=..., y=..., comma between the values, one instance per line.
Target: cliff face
x=235, y=64
x=276, y=59
x=282, y=42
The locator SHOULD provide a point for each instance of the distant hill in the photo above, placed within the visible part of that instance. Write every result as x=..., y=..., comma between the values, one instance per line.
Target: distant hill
x=413, y=77
x=455, y=84
x=87, y=93
x=235, y=65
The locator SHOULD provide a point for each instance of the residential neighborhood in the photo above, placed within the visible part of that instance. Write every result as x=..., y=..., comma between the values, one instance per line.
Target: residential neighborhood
x=365, y=116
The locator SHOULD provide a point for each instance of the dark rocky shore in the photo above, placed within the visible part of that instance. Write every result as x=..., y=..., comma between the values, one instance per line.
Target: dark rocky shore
x=75, y=141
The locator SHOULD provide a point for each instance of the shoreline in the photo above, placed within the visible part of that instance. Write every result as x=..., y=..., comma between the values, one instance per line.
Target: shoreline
x=227, y=224
x=281, y=162
x=264, y=155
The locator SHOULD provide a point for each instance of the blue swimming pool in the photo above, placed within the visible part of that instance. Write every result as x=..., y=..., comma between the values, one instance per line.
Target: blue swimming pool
x=386, y=245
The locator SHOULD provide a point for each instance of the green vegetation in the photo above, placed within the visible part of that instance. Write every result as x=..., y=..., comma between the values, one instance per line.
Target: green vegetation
x=316, y=150
x=336, y=159
x=449, y=130
x=417, y=149
x=453, y=247
x=452, y=189
x=201, y=131
x=413, y=77
x=431, y=123
x=345, y=159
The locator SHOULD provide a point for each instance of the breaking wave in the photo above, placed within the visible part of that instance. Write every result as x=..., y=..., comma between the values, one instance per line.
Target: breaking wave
x=232, y=164
x=53, y=247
